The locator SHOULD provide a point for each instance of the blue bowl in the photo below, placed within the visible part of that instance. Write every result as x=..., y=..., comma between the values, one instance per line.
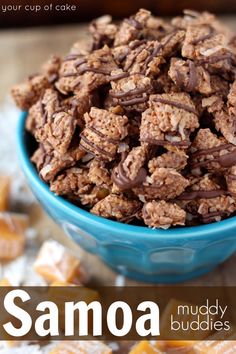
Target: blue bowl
x=166, y=256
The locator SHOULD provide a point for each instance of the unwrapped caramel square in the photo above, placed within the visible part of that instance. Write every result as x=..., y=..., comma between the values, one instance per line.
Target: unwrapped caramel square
x=55, y=263
x=145, y=347
x=12, y=235
x=81, y=347
x=4, y=192
x=5, y=282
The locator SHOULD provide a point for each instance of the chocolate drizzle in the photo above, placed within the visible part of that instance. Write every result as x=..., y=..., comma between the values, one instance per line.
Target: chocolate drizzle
x=151, y=141
x=134, y=101
x=69, y=75
x=79, y=62
x=71, y=57
x=231, y=177
x=216, y=58
x=203, y=152
x=203, y=37
x=119, y=76
x=138, y=51
x=154, y=53
x=44, y=113
x=122, y=181
x=134, y=23
x=201, y=194
x=209, y=217
x=137, y=43
x=129, y=218
x=85, y=69
x=103, y=136
x=176, y=104
x=226, y=160
x=133, y=92
x=193, y=79
x=94, y=146
x=156, y=50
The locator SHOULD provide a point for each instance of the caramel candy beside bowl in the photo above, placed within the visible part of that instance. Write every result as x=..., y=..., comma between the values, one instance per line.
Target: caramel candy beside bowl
x=12, y=235
x=4, y=192
x=55, y=263
x=145, y=347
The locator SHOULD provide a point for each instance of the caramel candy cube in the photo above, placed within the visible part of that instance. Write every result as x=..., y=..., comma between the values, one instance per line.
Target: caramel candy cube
x=5, y=282
x=179, y=343
x=12, y=235
x=81, y=347
x=171, y=311
x=4, y=192
x=55, y=263
x=145, y=347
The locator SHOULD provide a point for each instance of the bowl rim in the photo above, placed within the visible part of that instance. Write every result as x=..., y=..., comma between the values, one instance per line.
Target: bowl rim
x=211, y=230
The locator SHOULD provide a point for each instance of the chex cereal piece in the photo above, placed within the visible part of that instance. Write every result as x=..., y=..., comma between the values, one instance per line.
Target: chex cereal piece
x=103, y=132
x=162, y=214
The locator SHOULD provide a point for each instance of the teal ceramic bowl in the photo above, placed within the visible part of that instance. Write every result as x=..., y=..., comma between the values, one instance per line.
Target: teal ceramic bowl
x=159, y=256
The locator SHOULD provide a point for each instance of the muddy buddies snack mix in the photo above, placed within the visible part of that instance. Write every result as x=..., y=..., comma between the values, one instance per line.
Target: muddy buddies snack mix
x=140, y=125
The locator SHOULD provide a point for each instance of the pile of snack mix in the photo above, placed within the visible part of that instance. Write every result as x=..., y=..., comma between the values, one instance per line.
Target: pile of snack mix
x=139, y=125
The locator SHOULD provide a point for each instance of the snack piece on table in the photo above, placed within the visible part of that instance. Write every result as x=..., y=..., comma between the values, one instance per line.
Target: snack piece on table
x=55, y=263
x=5, y=282
x=81, y=347
x=145, y=347
x=12, y=235
x=4, y=192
